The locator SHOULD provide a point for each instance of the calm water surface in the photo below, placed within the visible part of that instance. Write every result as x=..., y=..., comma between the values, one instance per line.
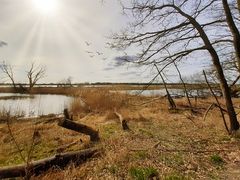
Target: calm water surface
x=54, y=104
x=37, y=105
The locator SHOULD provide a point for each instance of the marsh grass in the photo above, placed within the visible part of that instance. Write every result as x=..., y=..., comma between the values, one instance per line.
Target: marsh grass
x=97, y=101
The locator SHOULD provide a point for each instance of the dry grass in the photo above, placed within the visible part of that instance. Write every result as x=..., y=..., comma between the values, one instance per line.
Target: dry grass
x=97, y=101
x=161, y=143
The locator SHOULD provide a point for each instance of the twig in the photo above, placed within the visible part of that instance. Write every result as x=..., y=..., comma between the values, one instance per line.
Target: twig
x=208, y=109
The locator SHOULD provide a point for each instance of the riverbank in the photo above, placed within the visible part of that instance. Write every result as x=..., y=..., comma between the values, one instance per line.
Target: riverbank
x=169, y=144
x=66, y=89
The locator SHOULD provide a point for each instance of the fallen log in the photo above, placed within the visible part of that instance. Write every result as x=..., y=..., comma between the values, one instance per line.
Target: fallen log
x=40, y=166
x=81, y=128
x=62, y=148
x=122, y=121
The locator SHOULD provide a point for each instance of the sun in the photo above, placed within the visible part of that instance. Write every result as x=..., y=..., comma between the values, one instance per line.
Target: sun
x=46, y=7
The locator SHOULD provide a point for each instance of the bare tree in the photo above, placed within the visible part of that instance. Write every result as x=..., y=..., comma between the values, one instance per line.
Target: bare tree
x=34, y=74
x=186, y=28
x=7, y=69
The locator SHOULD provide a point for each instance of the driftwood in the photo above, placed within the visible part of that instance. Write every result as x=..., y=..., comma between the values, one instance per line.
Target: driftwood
x=122, y=120
x=81, y=128
x=37, y=167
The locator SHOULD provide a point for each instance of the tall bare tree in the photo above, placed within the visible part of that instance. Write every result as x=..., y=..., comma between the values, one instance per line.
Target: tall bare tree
x=34, y=74
x=7, y=69
x=186, y=28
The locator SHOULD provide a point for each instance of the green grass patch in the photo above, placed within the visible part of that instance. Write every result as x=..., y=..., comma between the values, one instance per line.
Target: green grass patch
x=140, y=173
x=109, y=130
x=216, y=159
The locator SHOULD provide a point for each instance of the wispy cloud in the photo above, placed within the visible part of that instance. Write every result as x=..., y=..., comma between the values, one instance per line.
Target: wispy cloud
x=128, y=73
x=122, y=60
x=3, y=43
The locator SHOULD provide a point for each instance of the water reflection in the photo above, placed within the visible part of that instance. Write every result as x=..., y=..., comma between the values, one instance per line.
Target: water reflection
x=34, y=106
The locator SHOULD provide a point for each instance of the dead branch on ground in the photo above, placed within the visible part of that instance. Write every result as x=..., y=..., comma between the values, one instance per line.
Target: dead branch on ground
x=40, y=166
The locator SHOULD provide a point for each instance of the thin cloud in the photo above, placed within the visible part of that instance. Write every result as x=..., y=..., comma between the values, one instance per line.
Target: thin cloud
x=122, y=60
x=3, y=43
x=128, y=73
x=109, y=68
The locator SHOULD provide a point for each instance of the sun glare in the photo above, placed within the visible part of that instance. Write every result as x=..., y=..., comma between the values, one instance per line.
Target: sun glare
x=46, y=6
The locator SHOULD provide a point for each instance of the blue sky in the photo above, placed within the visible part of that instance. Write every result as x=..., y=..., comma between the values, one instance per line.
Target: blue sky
x=69, y=40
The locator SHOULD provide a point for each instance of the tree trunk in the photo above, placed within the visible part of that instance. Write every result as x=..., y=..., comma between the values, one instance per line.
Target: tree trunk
x=215, y=59
x=37, y=167
x=81, y=128
x=234, y=30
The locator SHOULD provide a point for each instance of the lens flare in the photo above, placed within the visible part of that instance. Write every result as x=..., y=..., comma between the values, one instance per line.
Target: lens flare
x=46, y=6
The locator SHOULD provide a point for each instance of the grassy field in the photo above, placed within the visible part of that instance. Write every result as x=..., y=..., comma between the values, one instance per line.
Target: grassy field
x=161, y=144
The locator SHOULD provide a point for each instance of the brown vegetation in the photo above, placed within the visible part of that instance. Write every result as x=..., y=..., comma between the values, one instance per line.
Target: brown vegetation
x=97, y=101
x=162, y=143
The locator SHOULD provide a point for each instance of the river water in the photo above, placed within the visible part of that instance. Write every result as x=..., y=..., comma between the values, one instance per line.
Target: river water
x=39, y=104
x=33, y=105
